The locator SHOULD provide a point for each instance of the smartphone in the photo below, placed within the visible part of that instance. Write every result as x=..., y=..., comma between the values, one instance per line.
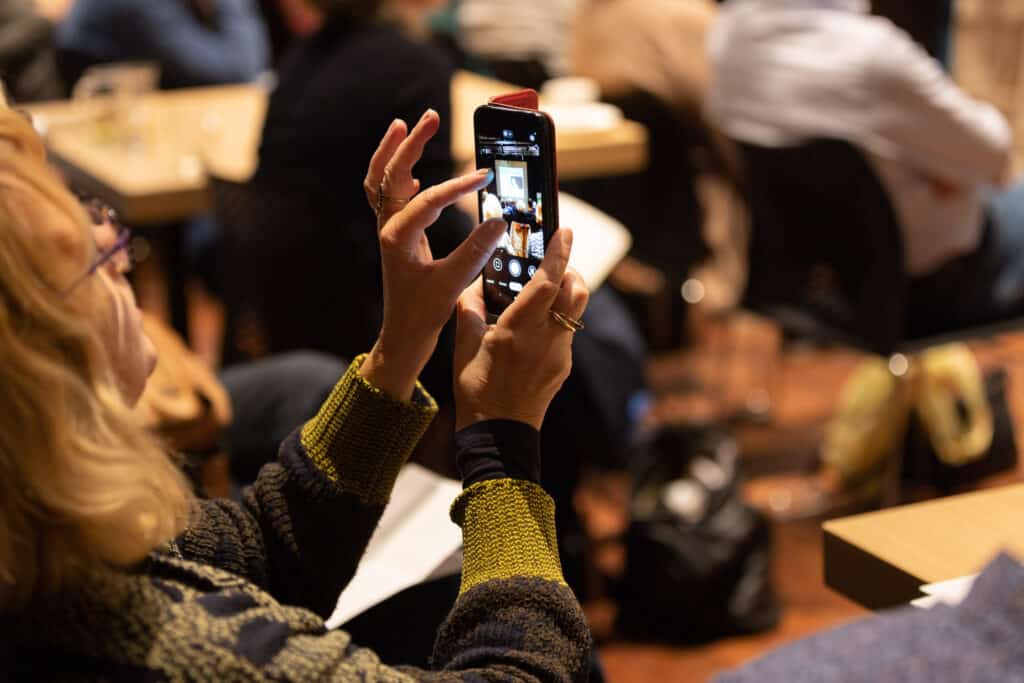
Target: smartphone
x=519, y=146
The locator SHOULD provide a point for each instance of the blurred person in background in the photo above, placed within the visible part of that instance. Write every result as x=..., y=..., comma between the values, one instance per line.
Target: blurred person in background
x=288, y=21
x=649, y=58
x=367, y=65
x=195, y=42
x=28, y=63
x=523, y=42
x=657, y=46
x=337, y=91
x=789, y=71
x=111, y=568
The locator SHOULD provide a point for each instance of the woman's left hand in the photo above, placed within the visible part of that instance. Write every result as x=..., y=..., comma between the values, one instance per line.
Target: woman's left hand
x=511, y=370
x=419, y=291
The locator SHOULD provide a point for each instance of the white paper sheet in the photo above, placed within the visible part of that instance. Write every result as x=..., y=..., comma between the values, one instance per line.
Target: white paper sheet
x=599, y=241
x=951, y=592
x=415, y=541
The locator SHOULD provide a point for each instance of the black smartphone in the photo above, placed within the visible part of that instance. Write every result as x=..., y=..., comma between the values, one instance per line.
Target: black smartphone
x=519, y=146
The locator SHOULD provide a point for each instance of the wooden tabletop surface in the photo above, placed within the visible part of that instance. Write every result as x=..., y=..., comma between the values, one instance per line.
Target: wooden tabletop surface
x=880, y=559
x=621, y=149
x=150, y=156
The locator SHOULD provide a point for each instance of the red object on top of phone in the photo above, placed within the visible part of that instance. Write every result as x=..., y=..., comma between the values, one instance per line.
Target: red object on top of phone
x=527, y=98
x=521, y=99
x=517, y=140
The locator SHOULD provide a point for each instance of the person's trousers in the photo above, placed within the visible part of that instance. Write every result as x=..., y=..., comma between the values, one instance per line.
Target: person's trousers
x=985, y=286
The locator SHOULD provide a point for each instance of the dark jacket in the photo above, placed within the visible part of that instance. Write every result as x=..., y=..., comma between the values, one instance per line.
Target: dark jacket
x=338, y=92
x=243, y=593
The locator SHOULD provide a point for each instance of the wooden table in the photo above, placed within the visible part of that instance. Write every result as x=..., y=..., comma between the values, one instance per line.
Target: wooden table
x=150, y=157
x=880, y=559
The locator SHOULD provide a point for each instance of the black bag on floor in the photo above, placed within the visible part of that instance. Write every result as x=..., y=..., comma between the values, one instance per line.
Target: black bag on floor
x=698, y=561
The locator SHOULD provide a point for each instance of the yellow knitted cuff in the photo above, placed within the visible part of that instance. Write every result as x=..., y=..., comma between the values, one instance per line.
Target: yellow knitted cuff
x=508, y=530
x=361, y=437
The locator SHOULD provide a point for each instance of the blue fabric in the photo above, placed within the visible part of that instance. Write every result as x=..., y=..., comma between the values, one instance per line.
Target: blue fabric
x=982, y=287
x=945, y=39
x=979, y=641
x=166, y=31
x=271, y=398
x=1006, y=215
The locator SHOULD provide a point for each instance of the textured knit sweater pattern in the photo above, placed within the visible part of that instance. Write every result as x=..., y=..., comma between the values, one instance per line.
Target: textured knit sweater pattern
x=242, y=594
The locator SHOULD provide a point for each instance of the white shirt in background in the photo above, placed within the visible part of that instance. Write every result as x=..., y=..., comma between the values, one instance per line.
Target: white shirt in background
x=786, y=71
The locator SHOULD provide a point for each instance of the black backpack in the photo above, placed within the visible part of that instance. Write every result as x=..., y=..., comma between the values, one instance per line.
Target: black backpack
x=698, y=561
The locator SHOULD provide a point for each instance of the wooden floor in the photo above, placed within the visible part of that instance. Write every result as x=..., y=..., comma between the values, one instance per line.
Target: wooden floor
x=803, y=384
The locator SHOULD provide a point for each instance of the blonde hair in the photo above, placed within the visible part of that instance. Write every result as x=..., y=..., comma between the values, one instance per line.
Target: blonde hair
x=82, y=483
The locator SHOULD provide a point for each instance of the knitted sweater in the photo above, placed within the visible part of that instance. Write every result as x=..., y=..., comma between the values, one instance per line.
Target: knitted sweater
x=241, y=595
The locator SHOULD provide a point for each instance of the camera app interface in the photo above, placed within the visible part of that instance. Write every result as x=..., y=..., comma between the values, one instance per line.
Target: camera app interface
x=515, y=195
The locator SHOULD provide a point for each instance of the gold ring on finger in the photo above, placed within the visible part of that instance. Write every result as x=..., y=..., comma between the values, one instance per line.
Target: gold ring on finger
x=570, y=324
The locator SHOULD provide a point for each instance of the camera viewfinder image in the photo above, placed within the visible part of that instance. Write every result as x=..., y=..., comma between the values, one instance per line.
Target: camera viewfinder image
x=515, y=195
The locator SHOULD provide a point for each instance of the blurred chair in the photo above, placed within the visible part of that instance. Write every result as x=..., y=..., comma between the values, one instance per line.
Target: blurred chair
x=660, y=207
x=826, y=250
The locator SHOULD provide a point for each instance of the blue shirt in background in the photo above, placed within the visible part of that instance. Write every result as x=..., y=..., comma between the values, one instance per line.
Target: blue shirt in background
x=233, y=49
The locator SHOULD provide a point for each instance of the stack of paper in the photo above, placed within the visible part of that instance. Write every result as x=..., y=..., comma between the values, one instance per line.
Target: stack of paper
x=599, y=241
x=951, y=592
x=414, y=542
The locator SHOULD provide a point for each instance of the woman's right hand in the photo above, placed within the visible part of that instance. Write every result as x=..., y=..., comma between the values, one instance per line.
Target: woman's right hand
x=511, y=370
x=420, y=291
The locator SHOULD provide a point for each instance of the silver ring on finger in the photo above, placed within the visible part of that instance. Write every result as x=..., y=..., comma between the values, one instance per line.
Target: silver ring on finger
x=381, y=198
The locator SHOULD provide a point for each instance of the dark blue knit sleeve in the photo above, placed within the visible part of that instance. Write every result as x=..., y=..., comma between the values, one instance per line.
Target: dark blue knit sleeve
x=498, y=449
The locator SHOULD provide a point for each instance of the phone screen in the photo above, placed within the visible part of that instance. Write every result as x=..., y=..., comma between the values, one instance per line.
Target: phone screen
x=518, y=146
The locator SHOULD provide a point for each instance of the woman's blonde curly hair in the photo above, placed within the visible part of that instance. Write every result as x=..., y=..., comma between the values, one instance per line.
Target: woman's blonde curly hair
x=82, y=483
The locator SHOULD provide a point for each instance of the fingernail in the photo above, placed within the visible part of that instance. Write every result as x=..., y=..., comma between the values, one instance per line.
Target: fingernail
x=495, y=223
x=427, y=113
x=566, y=236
